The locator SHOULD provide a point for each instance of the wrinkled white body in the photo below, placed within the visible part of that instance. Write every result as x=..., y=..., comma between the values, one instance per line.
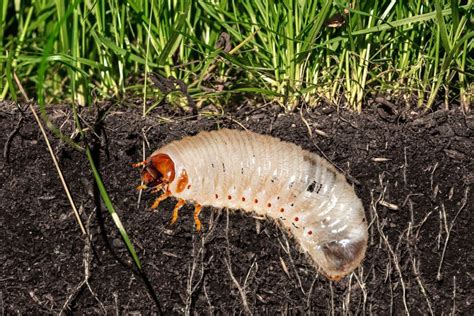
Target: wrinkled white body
x=252, y=172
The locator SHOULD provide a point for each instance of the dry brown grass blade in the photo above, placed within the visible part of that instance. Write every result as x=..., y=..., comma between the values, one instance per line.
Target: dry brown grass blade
x=50, y=149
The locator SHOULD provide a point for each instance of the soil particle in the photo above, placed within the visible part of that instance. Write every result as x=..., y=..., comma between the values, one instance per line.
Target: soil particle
x=413, y=176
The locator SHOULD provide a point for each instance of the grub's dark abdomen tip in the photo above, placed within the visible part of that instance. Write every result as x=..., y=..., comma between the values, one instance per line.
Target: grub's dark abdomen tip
x=344, y=256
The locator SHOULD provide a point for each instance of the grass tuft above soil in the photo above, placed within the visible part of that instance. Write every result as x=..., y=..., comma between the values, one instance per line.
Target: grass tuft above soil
x=289, y=51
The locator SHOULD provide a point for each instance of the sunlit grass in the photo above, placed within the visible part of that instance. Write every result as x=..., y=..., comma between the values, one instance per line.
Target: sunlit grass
x=411, y=48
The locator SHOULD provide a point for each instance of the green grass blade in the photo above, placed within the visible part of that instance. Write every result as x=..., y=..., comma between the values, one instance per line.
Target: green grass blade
x=410, y=20
x=445, y=67
x=455, y=13
x=442, y=26
x=175, y=37
x=110, y=207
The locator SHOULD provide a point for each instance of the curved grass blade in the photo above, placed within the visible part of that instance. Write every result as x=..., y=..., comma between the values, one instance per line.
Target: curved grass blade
x=409, y=20
x=110, y=207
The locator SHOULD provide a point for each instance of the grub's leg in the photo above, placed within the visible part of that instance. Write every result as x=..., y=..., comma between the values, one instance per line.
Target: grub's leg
x=178, y=205
x=139, y=164
x=141, y=187
x=157, y=188
x=197, y=210
x=162, y=197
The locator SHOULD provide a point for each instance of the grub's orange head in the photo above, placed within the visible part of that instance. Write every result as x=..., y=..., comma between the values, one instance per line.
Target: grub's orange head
x=158, y=170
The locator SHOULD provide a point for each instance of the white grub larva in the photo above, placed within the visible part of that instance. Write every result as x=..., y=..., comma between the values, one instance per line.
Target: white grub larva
x=261, y=174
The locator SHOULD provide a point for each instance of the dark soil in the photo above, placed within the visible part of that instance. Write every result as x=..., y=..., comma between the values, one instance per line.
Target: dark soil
x=413, y=172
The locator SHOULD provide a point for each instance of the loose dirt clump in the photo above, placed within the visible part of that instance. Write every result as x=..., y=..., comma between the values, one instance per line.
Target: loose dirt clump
x=414, y=173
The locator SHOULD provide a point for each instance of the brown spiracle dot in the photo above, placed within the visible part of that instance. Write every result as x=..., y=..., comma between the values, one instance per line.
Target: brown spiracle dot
x=256, y=201
x=310, y=232
x=229, y=197
x=282, y=210
x=243, y=199
x=296, y=219
x=217, y=196
x=269, y=204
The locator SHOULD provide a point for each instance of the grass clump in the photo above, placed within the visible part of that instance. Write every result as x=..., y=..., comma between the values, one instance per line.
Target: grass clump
x=287, y=50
